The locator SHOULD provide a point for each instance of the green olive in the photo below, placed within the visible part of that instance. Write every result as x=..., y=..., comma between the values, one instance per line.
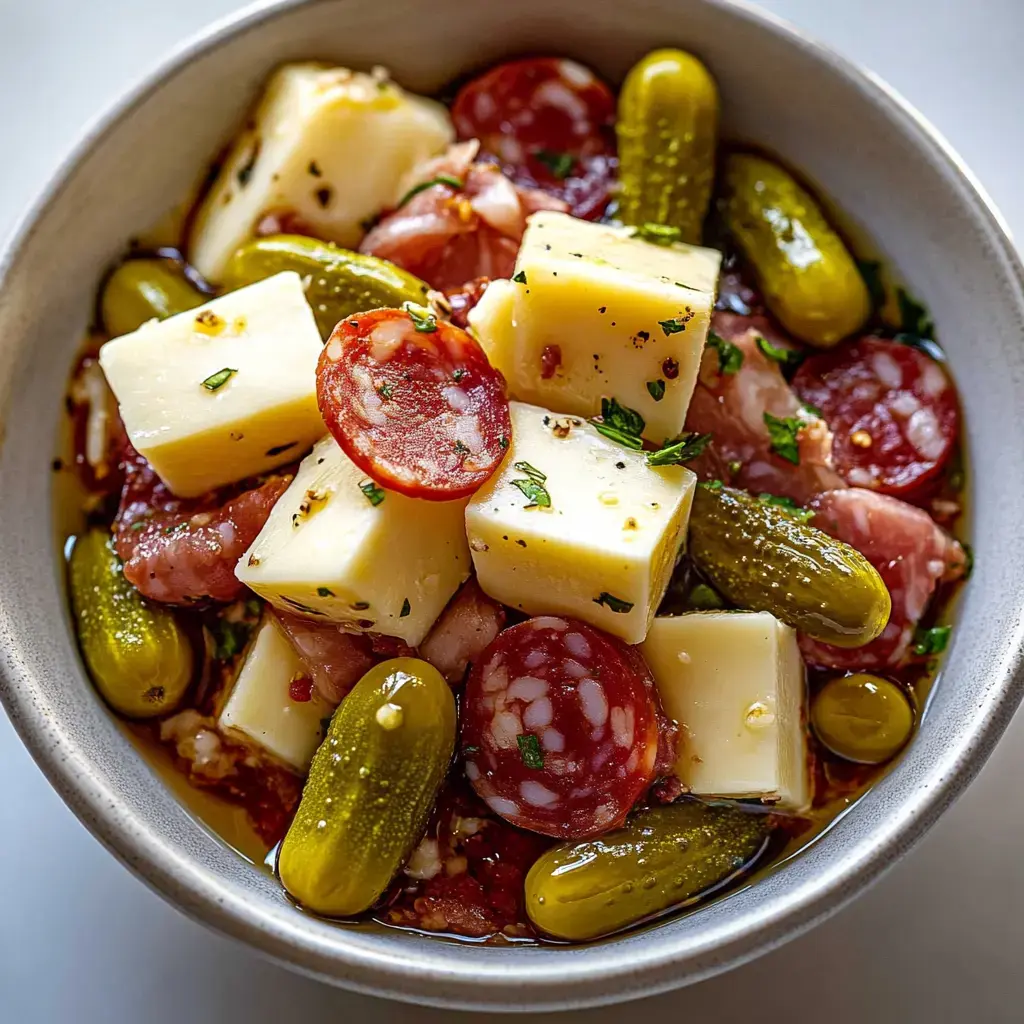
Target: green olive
x=662, y=857
x=862, y=718
x=341, y=282
x=138, y=656
x=809, y=279
x=370, y=789
x=144, y=289
x=668, y=133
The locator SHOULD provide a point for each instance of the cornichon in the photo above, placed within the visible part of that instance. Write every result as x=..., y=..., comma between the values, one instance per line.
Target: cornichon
x=668, y=131
x=370, y=789
x=341, y=282
x=808, y=277
x=143, y=289
x=762, y=558
x=663, y=857
x=138, y=656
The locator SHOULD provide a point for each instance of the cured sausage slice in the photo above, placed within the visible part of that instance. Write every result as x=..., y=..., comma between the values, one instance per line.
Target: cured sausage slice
x=550, y=123
x=892, y=410
x=912, y=555
x=414, y=403
x=560, y=728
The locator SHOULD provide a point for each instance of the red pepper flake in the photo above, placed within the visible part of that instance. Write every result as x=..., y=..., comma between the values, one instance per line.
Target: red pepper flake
x=301, y=690
x=550, y=361
x=670, y=367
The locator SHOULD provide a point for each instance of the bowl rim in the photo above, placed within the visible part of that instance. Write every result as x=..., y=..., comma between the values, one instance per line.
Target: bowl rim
x=194, y=890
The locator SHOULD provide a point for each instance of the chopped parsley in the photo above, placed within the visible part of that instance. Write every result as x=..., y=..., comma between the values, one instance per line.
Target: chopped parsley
x=324, y=592
x=529, y=750
x=914, y=319
x=673, y=326
x=613, y=603
x=559, y=164
x=406, y=609
x=520, y=278
x=620, y=424
x=503, y=441
x=217, y=380
x=787, y=358
x=785, y=436
x=461, y=448
x=386, y=391
x=813, y=410
x=531, y=471
x=422, y=318
x=659, y=234
x=229, y=638
x=441, y=179
x=656, y=389
x=932, y=641
x=871, y=271
x=533, y=486
x=734, y=467
x=711, y=485
x=681, y=449
x=458, y=374
x=730, y=357
x=803, y=515
x=374, y=495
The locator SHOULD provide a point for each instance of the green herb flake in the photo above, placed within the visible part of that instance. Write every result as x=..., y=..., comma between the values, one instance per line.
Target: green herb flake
x=788, y=505
x=914, y=319
x=531, y=471
x=682, y=449
x=229, y=638
x=871, y=271
x=559, y=164
x=520, y=278
x=673, y=326
x=813, y=410
x=787, y=358
x=386, y=391
x=406, y=609
x=968, y=559
x=441, y=179
x=458, y=374
x=711, y=485
x=626, y=440
x=785, y=436
x=621, y=417
x=656, y=389
x=422, y=318
x=373, y=494
x=141, y=525
x=658, y=234
x=461, y=448
x=217, y=380
x=529, y=750
x=734, y=467
x=324, y=592
x=535, y=491
x=467, y=751
x=503, y=442
x=613, y=603
x=932, y=641
x=730, y=356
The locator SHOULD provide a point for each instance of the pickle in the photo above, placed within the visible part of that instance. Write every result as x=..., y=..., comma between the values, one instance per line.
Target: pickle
x=341, y=282
x=762, y=558
x=668, y=133
x=370, y=789
x=138, y=656
x=663, y=857
x=808, y=277
x=862, y=718
x=144, y=289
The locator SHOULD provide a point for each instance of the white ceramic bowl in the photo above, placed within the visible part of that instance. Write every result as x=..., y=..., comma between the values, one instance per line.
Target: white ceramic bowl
x=891, y=174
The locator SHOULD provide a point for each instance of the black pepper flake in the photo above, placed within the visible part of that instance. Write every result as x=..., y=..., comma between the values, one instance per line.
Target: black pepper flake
x=644, y=335
x=602, y=309
x=314, y=169
x=244, y=173
x=406, y=609
x=57, y=465
x=323, y=196
x=324, y=592
x=620, y=465
x=521, y=543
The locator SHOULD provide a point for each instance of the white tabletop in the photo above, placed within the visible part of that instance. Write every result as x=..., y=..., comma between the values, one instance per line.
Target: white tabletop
x=81, y=940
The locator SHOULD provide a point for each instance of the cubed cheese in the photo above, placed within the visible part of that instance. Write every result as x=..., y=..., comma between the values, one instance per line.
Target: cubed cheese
x=735, y=683
x=491, y=323
x=339, y=548
x=605, y=547
x=324, y=150
x=224, y=391
x=261, y=706
x=599, y=313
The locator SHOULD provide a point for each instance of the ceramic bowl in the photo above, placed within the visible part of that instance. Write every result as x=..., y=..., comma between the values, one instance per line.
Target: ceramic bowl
x=898, y=183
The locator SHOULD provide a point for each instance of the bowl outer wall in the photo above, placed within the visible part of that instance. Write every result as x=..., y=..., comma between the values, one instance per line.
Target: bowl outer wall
x=875, y=157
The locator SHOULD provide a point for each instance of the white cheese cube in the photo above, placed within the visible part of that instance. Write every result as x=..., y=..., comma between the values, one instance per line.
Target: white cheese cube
x=224, y=391
x=491, y=323
x=599, y=313
x=261, y=706
x=339, y=548
x=325, y=150
x=735, y=683
x=603, y=551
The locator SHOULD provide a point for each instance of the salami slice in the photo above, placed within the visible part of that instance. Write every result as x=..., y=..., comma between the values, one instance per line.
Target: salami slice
x=414, y=403
x=892, y=410
x=912, y=555
x=550, y=123
x=560, y=728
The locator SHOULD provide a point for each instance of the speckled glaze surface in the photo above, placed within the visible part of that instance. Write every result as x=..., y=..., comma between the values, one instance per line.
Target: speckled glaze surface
x=874, y=156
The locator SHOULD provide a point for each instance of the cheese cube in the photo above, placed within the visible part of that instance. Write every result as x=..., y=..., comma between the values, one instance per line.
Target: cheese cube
x=490, y=322
x=599, y=313
x=324, y=150
x=735, y=683
x=224, y=391
x=261, y=706
x=605, y=547
x=337, y=547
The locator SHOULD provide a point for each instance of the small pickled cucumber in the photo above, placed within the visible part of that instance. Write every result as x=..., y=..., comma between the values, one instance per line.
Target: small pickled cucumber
x=341, y=282
x=668, y=132
x=808, y=277
x=144, y=289
x=370, y=789
x=862, y=718
x=762, y=558
x=663, y=857
x=138, y=656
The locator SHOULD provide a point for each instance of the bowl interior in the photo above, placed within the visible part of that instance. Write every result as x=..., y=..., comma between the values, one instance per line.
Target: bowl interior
x=871, y=156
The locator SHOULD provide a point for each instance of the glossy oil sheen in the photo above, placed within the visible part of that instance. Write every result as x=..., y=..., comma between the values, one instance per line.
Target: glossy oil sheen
x=897, y=182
